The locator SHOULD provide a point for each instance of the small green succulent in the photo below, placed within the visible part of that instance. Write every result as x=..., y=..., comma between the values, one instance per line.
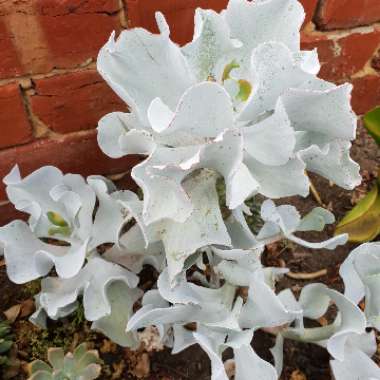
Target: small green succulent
x=80, y=365
x=6, y=342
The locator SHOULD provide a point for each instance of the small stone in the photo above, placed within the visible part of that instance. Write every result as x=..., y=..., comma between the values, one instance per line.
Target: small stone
x=142, y=368
x=26, y=83
x=229, y=366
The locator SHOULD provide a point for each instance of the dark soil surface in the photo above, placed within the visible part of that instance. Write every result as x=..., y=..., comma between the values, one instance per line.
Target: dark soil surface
x=302, y=361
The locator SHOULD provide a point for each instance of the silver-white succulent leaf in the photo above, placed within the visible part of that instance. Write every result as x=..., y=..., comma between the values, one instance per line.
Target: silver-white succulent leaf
x=137, y=55
x=236, y=265
x=28, y=258
x=284, y=221
x=203, y=227
x=61, y=209
x=314, y=302
x=114, y=324
x=256, y=23
x=247, y=362
x=109, y=293
x=357, y=363
x=216, y=314
x=283, y=102
x=266, y=309
x=190, y=303
x=361, y=275
x=134, y=252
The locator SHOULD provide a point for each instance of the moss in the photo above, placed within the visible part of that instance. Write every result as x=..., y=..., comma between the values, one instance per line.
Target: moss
x=221, y=191
x=37, y=341
x=66, y=333
x=254, y=221
x=78, y=318
x=6, y=342
x=31, y=288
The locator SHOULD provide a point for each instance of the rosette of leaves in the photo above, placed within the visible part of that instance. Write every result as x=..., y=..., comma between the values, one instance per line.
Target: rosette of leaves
x=362, y=223
x=6, y=342
x=80, y=365
x=241, y=102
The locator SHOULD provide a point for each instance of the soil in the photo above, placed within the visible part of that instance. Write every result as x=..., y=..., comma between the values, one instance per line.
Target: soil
x=301, y=361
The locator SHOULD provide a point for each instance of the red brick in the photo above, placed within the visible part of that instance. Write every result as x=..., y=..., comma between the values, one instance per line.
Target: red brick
x=73, y=102
x=324, y=46
x=75, y=153
x=9, y=213
x=343, y=57
x=366, y=93
x=14, y=123
x=57, y=8
x=375, y=63
x=10, y=63
x=310, y=6
x=179, y=14
x=337, y=14
x=39, y=35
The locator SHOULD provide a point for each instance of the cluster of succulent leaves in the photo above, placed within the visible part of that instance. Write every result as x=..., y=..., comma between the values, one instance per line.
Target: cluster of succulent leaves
x=362, y=223
x=240, y=104
x=6, y=342
x=79, y=365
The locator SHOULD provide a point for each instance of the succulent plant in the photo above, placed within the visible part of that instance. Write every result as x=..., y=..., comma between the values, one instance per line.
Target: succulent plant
x=80, y=365
x=6, y=342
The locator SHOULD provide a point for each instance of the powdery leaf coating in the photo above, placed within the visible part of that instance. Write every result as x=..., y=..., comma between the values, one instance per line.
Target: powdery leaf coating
x=361, y=275
x=285, y=220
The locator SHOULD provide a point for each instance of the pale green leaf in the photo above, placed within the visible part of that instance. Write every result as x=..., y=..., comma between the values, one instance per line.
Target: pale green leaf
x=362, y=223
x=372, y=123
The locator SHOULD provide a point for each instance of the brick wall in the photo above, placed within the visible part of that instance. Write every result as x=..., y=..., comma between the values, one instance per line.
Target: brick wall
x=51, y=96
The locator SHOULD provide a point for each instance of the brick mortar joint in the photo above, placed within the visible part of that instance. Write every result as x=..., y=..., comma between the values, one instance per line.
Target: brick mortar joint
x=26, y=105
x=26, y=84
x=54, y=137
x=123, y=15
x=367, y=69
x=342, y=33
x=88, y=65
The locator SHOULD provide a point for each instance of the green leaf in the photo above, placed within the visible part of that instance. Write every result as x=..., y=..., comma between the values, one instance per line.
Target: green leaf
x=3, y=360
x=64, y=231
x=41, y=375
x=5, y=345
x=4, y=329
x=55, y=357
x=39, y=365
x=245, y=90
x=363, y=206
x=362, y=223
x=80, y=351
x=372, y=123
x=228, y=68
x=56, y=219
x=92, y=371
x=90, y=357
